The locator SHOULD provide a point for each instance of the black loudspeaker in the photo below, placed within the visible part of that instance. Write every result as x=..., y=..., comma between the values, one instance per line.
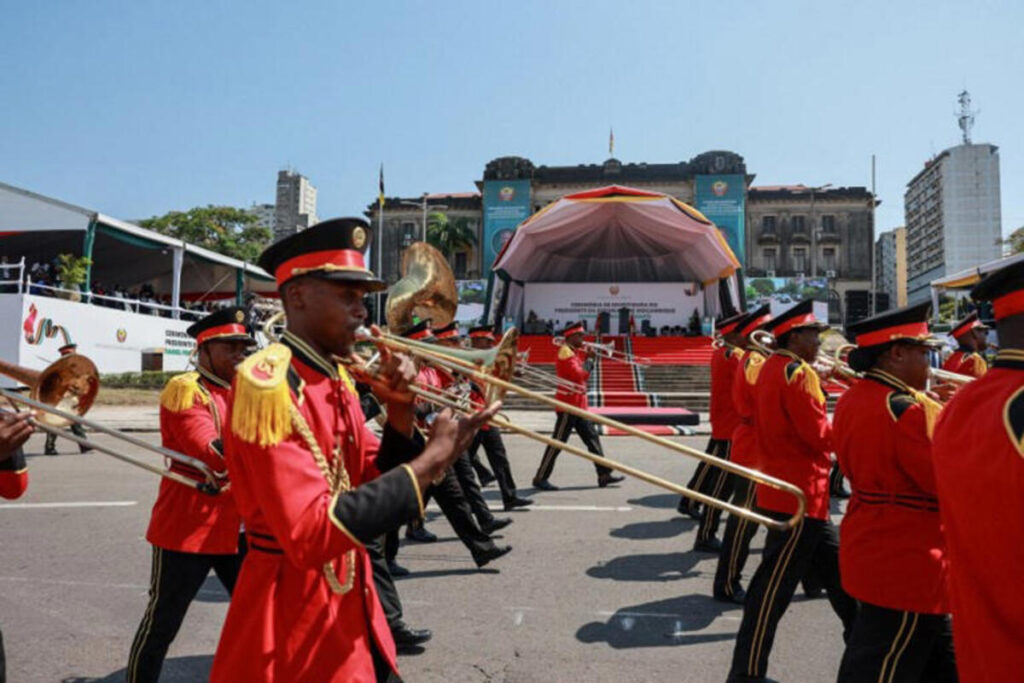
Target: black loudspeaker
x=858, y=305
x=882, y=303
x=623, y=320
x=603, y=322
x=645, y=328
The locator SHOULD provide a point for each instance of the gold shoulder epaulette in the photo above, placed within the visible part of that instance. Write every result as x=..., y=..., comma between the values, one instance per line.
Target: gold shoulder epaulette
x=752, y=367
x=565, y=352
x=810, y=381
x=261, y=410
x=181, y=392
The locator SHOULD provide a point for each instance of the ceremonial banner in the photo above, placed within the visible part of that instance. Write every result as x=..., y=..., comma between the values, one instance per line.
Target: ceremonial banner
x=722, y=199
x=662, y=303
x=506, y=205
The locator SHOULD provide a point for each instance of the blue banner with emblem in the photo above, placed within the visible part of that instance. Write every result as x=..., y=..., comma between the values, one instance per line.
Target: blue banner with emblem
x=722, y=198
x=506, y=205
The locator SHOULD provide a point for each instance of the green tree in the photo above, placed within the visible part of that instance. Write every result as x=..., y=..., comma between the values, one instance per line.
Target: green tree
x=224, y=229
x=1015, y=240
x=763, y=286
x=447, y=235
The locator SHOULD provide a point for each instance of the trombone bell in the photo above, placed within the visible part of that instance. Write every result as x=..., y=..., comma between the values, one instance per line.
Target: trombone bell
x=70, y=383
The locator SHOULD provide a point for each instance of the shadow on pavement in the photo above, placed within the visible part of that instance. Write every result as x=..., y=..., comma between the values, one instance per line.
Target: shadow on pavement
x=435, y=573
x=662, y=567
x=665, y=528
x=190, y=668
x=660, y=500
x=664, y=623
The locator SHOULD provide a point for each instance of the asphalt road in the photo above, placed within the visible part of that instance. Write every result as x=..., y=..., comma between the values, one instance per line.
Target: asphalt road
x=602, y=584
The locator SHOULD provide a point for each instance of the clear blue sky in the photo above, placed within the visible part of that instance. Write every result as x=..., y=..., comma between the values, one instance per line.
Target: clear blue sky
x=139, y=107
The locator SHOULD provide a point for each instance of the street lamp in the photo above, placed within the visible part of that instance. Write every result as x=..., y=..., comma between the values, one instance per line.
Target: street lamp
x=425, y=206
x=814, y=230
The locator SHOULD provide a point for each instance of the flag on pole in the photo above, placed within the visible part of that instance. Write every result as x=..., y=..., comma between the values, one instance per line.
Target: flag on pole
x=380, y=195
x=611, y=142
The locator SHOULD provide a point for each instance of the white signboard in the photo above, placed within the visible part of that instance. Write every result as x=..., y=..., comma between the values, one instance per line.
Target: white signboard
x=662, y=303
x=35, y=327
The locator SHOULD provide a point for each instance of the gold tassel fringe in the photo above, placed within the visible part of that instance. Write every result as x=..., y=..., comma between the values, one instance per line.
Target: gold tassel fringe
x=181, y=392
x=261, y=413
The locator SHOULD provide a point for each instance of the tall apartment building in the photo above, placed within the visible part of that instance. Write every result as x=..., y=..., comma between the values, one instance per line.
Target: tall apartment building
x=953, y=217
x=891, y=266
x=265, y=214
x=296, y=204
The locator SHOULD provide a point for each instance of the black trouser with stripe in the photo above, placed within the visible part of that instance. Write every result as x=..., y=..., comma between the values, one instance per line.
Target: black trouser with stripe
x=788, y=555
x=565, y=423
x=384, y=583
x=175, y=579
x=736, y=542
x=471, y=489
x=494, y=449
x=452, y=501
x=704, y=477
x=898, y=647
x=719, y=485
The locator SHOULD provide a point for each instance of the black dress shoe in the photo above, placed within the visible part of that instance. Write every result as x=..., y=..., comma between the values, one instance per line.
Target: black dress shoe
x=517, y=502
x=606, y=479
x=712, y=545
x=50, y=451
x=494, y=524
x=491, y=554
x=396, y=569
x=544, y=485
x=410, y=637
x=739, y=596
x=419, y=534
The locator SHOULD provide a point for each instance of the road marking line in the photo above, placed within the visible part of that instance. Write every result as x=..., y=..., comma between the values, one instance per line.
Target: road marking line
x=562, y=508
x=72, y=504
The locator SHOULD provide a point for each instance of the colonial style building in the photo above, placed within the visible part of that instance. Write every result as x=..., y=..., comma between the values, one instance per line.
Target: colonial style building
x=891, y=266
x=787, y=230
x=794, y=231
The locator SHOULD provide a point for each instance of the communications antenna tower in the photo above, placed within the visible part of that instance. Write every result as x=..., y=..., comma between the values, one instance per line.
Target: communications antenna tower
x=966, y=117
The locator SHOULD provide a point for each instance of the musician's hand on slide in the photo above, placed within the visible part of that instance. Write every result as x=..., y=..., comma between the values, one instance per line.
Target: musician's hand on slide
x=15, y=429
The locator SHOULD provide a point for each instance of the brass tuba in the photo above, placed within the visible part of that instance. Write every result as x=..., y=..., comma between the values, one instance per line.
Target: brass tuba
x=426, y=290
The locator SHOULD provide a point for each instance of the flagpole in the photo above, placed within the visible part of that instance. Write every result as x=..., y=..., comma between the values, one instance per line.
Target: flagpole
x=380, y=245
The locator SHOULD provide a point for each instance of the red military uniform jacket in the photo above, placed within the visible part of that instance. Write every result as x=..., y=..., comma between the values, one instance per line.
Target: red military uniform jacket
x=302, y=466
x=744, y=449
x=892, y=552
x=571, y=366
x=724, y=363
x=979, y=472
x=191, y=413
x=794, y=433
x=966, y=362
x=13, y=475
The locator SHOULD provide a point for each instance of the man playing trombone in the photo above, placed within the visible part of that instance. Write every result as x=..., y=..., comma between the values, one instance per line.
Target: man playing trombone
x=304, y=473
x=893, y=555
x=575, y=362
x=795, y=438
x=191, y=532
x=972, y=339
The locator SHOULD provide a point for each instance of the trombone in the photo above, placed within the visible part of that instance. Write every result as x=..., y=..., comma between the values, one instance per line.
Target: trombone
x=608, y=351
x=65, y=390
x=424, y=269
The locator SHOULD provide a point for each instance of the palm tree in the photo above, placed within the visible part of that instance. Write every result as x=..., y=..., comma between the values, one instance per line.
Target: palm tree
x=449, y=236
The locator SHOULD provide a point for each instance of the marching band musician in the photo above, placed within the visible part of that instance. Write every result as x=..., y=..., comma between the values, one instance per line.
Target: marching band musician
x=191, y=532
x=792, y=428
x=725, y=361
x=304, y=472
x=575, y=362
x=743, y=451
x=972, y=339
x=979, y=471
x=452, y=497
x=449, y=337
x=482, y=338
x=15, y=429
x=892, y=556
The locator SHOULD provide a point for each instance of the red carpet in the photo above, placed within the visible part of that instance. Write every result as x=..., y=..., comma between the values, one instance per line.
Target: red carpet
x=657, y=430
x=658, y=350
